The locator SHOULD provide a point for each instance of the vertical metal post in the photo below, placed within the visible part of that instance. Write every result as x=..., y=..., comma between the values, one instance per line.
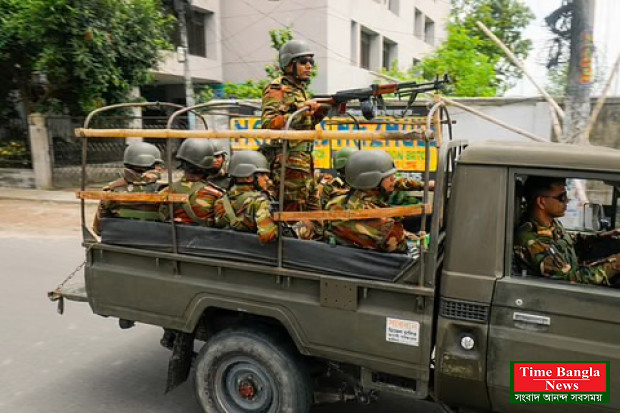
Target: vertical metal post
x=181, y=7
x=281, y=201
x=175, y=247
x=282, y=180
x=83, y=180
x=437, y=130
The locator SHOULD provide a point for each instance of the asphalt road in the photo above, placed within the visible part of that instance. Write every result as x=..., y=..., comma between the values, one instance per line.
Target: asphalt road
x=80, y=362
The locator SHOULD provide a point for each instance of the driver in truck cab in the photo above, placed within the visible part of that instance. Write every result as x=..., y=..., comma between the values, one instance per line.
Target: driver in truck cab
x=543, y=247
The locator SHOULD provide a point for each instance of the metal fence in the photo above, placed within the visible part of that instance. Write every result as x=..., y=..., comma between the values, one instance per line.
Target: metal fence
x=14, y=144
x=104, y=155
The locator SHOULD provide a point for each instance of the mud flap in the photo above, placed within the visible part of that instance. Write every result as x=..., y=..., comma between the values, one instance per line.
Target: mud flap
x=181, y=360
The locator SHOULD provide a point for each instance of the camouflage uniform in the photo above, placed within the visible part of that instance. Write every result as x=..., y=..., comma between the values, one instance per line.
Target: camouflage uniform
x=280, y=99
x=401, y=194
x=330, y=187
x=133, y=182
x=248, y=210
x=199, y=208
x=381, y=234
x=549, y=251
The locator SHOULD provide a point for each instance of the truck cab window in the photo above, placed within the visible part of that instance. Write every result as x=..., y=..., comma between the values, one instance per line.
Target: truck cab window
x=566, y=230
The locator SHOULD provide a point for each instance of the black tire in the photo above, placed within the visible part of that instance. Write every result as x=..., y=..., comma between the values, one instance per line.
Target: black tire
x=248, y=371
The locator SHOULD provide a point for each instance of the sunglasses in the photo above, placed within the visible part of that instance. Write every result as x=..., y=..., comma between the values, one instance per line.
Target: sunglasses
x=563, y=197
x=305, y=60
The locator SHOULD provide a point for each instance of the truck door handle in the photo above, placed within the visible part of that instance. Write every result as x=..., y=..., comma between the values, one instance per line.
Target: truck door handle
x=531, y=319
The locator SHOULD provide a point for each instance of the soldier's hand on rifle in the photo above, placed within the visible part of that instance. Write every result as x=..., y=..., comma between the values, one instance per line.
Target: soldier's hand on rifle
x=315, y=108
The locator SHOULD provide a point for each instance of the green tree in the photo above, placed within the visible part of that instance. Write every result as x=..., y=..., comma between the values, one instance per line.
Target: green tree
x=506, y=19
x=472, y=73
x=557, y=78
x=74, y=56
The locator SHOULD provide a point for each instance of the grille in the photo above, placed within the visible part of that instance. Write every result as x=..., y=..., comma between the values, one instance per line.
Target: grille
x=462, y=310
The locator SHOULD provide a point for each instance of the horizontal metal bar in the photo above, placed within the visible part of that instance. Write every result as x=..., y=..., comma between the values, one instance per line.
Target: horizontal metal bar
x=131, y=196
x=346, y=215
x=292, y=135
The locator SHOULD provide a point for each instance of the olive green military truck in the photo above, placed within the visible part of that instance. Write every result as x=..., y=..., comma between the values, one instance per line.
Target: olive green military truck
x=283, y=326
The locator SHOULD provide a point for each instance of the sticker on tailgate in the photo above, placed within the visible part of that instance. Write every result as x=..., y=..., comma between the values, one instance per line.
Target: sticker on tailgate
x=402, y=331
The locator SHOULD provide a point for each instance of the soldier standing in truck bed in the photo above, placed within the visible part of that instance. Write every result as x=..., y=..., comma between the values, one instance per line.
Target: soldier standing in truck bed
x=141, y=174
x=281, y=98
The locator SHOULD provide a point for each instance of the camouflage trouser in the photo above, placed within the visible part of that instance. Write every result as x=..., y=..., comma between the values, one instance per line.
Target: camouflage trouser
x=300, y=190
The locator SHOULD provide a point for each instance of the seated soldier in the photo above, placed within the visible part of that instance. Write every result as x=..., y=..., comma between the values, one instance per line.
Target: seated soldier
x=330, y=186
x=246, y=207
x=371, y=174
x=219, y=172
x=544, y=248
x=142, y=171
x=196, y=156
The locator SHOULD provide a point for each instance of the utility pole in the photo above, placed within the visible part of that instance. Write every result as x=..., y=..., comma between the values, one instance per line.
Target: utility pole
x=580, y=71
x=183, y=56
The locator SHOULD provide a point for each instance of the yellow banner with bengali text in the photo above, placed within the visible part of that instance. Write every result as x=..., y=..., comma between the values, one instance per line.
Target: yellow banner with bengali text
x=408, y=155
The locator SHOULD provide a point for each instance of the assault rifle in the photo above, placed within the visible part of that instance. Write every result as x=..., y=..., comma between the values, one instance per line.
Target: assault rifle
x=369, y=97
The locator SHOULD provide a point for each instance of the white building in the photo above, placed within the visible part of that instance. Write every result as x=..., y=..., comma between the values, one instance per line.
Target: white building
x=351, y=39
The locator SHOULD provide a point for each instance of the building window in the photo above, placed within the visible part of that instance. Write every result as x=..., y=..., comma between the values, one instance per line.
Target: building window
x=418, y=25
x=355, y=39
x=429, y=31
x=389, y=53
x=196, y=34
x=197, y=22
x=365, y=46
x=394, y=6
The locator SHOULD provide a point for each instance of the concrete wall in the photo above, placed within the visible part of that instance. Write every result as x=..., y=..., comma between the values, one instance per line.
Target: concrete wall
x=607, y=129
x=17, y=178
x=530, y=114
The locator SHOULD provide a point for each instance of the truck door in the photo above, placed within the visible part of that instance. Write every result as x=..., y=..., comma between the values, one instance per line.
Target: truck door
x=538, y=319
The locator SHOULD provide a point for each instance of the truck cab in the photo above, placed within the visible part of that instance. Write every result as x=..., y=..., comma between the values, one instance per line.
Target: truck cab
x=503, y=312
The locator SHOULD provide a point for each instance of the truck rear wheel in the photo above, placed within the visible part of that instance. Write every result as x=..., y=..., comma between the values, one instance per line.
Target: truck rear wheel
x=247, y=371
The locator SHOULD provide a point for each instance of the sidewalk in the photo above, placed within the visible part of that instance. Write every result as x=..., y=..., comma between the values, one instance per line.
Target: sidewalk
x=61, y=195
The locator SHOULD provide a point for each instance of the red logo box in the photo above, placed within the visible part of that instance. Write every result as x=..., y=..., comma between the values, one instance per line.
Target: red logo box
x=560, y=377
x=559, y=382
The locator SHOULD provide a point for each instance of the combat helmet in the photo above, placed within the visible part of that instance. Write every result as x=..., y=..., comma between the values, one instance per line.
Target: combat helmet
x=244, y=164
x=220, y=147
x=342, y=156
x=198, y=152
x=142, y=154
x=366, y=169
x=291, y=50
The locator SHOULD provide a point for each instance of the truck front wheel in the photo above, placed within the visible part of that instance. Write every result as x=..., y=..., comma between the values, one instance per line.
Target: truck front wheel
x=243, y=371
